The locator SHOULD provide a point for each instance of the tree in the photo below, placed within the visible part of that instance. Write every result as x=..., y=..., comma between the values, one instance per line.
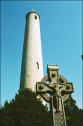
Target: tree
x=24, y=110
x=27, y=110
x=73, y=113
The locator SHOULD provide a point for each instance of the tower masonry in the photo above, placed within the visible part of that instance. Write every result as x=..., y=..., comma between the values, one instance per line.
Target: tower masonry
x=32, y=65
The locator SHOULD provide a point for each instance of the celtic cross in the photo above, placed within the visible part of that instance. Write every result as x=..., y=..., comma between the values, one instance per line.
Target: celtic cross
x=59, y=90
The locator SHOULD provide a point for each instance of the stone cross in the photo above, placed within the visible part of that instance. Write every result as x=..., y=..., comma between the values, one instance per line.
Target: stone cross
x=59, y=90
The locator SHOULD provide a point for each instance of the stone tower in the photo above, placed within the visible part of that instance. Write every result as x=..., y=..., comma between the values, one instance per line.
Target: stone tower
x=32, y=65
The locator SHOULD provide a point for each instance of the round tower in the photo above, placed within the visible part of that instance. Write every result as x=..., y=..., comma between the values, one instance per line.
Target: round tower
x=32, y=65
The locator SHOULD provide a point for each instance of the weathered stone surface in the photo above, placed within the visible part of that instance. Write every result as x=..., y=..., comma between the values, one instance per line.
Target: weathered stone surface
x=32, y=66
x=59, y=89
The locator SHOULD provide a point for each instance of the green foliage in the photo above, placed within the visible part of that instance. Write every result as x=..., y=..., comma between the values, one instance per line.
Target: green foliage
x=24, y=110
x=74, y=115
x=27, y=110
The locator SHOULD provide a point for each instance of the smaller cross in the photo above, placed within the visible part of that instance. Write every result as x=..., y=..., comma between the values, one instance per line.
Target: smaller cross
x=32, y=10
x=59, y=90
x=82, y=56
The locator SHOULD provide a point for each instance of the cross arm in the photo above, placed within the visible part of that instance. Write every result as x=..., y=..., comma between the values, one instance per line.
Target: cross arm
x=43, y=88
x=67, y=89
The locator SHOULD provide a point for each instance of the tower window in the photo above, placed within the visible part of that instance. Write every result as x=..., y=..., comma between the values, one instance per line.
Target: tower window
x=35, y=17
x=37, y=65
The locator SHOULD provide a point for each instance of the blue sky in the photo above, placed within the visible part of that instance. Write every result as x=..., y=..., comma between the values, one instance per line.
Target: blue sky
x=61, y=35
